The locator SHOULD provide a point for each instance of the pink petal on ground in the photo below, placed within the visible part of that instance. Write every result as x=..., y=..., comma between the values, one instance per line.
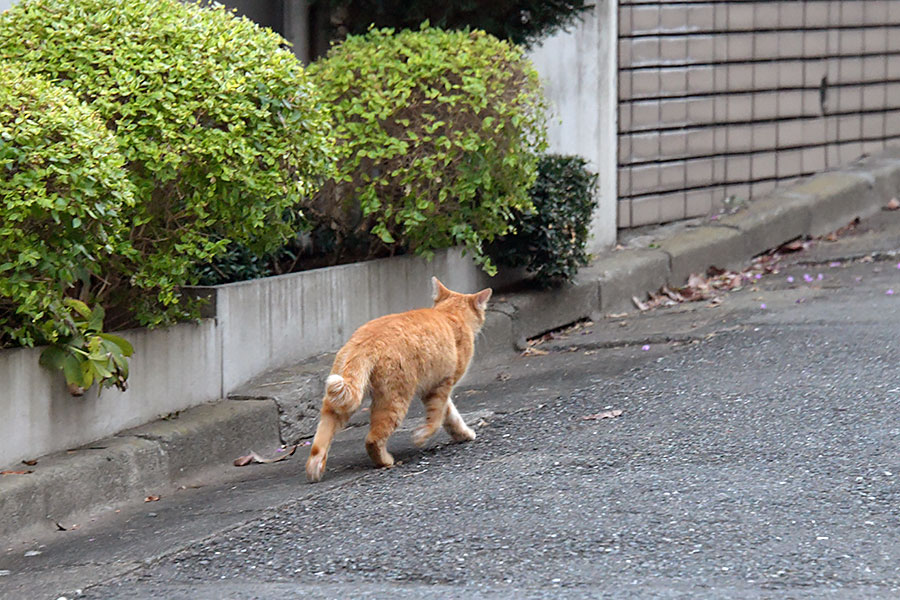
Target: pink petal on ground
x=763, y=306
x=837, y=264
x=807, y=277
x=790, y=279
x=645, y=347
x=890, y=292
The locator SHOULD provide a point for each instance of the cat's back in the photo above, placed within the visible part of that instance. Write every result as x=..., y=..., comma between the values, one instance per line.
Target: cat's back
x=410, y=327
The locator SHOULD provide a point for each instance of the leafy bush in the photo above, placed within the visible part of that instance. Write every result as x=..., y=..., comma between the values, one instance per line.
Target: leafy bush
x=519, y=21
x=63, y=192
x=437, y=132
x=221, y=131
x=88, y=355
x=550, y=240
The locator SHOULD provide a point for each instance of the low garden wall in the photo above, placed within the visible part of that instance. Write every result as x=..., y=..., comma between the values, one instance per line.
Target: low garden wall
x=249, y=327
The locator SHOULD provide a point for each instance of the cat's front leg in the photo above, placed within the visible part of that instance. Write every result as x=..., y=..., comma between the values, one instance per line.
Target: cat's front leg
x=455, y=425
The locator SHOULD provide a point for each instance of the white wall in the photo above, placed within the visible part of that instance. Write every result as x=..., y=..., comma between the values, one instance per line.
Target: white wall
x=579, y=71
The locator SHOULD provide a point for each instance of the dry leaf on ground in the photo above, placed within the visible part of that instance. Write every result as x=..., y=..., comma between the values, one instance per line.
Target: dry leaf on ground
x=893, y=204
x=606, y=414
x=151, y=498
x=16, y=472
x=253, y=457
x=532, y=351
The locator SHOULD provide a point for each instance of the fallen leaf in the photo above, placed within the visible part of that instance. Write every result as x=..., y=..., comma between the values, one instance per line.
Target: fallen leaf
x=534, y=352
x=151, y=498
x=893, y=204
x=253, y=457
x=606, y=414
x=794, y=246
x=621, y=315
x=834, y=235
x=640, y=305
x=11, y=472
x=30, y=463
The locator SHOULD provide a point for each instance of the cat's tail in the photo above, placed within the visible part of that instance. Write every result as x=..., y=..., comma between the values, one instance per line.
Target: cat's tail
x=343, y=395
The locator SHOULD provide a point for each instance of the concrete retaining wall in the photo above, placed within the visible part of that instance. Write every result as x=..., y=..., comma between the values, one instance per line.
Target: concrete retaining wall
x=251, y=327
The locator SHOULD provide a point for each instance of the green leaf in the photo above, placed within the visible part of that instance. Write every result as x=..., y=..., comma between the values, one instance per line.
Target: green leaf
x=52, y=357
x=126, y=348
x=80, y=307
x=72, y=368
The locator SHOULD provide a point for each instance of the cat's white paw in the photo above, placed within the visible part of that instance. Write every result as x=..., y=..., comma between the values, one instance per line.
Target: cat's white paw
x=315, y=467
x=464, y=434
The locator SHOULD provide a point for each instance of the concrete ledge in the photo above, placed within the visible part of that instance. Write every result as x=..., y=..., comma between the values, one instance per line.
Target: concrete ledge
x=225, y=429
x=834, y=199
x=497, y=333
x=539, y=311
x=68, y=487
x=296, y=391
x=627, y=273
x=695, y=250
x=883, y=173
x=771, y=221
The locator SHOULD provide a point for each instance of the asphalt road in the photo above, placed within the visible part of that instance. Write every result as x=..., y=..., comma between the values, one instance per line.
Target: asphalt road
x=757, y=455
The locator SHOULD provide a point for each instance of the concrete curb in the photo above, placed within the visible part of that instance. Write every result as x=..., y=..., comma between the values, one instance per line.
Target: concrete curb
x=68, y=487
x=281, y=404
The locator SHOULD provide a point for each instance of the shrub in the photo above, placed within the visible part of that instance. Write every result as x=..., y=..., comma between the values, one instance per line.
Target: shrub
x=62, y=194
x=437, y=133
x=550, y=240
x=221, y=131
x=519, y=21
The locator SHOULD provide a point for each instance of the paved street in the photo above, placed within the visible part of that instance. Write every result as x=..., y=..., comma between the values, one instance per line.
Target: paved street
x=757, y=455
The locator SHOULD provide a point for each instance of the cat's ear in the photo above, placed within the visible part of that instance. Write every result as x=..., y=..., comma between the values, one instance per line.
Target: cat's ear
x=482, y=297
x=440, y=292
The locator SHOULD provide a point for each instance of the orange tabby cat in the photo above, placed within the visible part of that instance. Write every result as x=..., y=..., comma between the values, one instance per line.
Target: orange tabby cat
x=393, y=358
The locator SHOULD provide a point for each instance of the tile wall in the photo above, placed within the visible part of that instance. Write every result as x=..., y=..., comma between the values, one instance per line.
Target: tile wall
x=728, y=98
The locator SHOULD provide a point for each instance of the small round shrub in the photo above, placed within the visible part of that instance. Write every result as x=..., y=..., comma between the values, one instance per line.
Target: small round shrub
x=549, y=241
x=437, y=137
x=221, y=130
x=63, y=190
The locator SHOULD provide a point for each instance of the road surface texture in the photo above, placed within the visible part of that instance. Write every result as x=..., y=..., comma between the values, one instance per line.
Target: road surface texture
x=757, y=455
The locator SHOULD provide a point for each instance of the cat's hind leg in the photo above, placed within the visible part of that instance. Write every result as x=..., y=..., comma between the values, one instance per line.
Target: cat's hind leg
x=455, y=425
x=435, y=403
x=389, y=406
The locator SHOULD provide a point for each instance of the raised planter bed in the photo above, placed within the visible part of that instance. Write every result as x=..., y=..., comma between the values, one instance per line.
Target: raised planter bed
x=249, y=327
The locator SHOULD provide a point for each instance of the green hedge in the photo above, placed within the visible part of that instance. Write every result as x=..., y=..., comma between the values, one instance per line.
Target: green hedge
x=63, y=200
x=438, y=134
x=221, y=131
x=549, y=241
